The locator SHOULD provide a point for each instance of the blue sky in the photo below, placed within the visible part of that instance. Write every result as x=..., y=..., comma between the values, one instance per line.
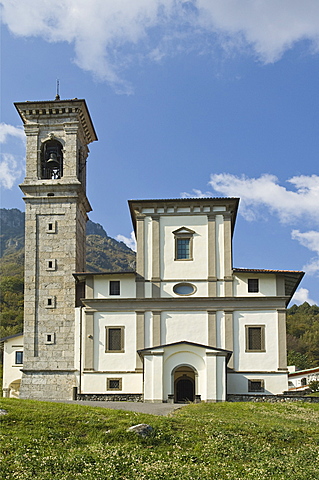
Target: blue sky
x=188, y=98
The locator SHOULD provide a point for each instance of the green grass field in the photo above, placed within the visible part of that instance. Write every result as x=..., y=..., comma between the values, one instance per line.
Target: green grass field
x=230, y=441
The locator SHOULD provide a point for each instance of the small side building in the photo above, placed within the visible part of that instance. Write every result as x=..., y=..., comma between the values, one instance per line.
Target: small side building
x=298, y=380
x=12, y=364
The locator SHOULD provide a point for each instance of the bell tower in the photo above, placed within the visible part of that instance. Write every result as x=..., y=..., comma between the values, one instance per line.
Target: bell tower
x=58, y=133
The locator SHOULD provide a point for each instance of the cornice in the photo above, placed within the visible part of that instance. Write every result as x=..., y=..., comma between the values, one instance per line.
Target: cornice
x=228, y=304
x=36, y=112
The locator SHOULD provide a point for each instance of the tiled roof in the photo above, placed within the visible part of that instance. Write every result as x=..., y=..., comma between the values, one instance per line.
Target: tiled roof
x=262, y=270
x=81, y=274
x=304, y=372
x=183, y=199
x=11, y=336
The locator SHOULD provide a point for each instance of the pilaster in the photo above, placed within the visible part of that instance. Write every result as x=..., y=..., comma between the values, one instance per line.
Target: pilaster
x=89, y=341
x=212, y=332
x=156, y=328
x=139, y=338
x=282, y=344
x=228, y=256
x=229, y=335
x=140, y=257
x=212, y=276
x=155, y=256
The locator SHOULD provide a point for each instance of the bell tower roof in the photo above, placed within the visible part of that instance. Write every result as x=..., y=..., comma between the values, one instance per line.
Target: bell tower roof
x=36, y=111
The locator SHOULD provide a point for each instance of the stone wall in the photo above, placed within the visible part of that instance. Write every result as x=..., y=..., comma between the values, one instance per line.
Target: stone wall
x=111, y=397
x=270, y=398
x=47, y=385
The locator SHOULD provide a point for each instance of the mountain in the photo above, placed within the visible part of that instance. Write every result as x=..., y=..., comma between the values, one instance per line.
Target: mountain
x=103, y=252
x=11, y=231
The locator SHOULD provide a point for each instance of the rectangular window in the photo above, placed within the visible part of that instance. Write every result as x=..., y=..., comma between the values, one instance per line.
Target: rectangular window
x=51, y=227
x=255, y=338
x=253, y=285
x=19, y=358
x=183, y=243
x=256, y=386
x=183, y=248
x=49, y=338
x=50, y=302
x=114, y=287
x=50, y=264
x=115, y=339
x=114, y=384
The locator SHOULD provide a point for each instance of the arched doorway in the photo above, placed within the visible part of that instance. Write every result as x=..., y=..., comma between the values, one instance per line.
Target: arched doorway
x=14, y=388
x=184, y=384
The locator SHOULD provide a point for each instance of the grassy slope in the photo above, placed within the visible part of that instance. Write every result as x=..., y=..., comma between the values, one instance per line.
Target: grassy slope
x=205, y=442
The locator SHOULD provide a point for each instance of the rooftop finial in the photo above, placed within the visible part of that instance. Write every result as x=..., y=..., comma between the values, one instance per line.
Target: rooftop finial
x=57, y=97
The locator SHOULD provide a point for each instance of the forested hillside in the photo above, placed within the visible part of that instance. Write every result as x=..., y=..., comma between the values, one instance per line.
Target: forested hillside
x=106, y=254
x=103, y=254
x=303, y=336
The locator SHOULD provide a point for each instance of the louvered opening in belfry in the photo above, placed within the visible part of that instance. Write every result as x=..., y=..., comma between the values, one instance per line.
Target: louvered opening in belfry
x=52, y=160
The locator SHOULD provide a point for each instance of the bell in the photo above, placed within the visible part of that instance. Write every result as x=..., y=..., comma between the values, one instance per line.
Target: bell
x=53, y=160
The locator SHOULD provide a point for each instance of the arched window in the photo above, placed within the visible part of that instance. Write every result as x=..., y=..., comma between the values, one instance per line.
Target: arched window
x=51, y=160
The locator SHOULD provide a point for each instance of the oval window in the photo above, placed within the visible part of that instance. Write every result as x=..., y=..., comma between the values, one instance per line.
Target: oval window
x=184, y=289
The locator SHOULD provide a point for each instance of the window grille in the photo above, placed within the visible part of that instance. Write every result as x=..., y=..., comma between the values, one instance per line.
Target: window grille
x=255, y=338
x=253, y=285
x=114, y=287
x=115, y=339
x=183, y=250
x=114, y=384
x=256, y=386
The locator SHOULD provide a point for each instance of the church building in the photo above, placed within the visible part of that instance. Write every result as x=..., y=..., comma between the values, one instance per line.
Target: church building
x=184, y=326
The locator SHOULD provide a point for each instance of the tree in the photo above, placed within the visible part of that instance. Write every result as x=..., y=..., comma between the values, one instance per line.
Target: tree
x=314, y=385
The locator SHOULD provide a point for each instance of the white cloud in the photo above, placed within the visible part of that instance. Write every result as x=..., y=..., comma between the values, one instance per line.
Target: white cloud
x=196, y=194
x=309, y=240
x=269, y=27
x=265, y=191
x=109, y=35
x=301, y=296
x=9, y=171
x=11, y=166
x=130, y=242
x=9, y=130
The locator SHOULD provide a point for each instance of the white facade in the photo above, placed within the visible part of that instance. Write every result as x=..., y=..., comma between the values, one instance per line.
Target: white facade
x=192, y=328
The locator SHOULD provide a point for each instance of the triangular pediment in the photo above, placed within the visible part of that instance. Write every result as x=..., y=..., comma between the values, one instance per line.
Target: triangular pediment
x=183, y=231
x=184, y=342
